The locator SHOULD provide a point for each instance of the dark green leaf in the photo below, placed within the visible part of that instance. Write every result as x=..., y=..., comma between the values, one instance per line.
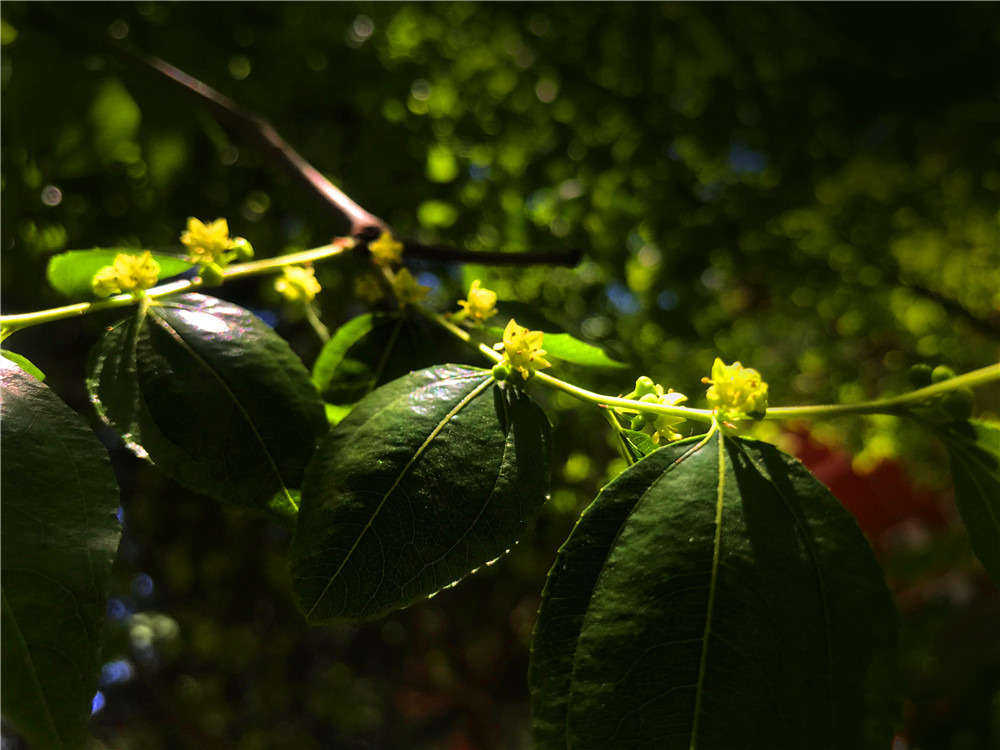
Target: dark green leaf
x=375, y=348
x=974, y=452
x=567, y=348
x=214, y=397
x=72, y=272
x=352, y=361
x=430, y=477
x=59, y=537
x=24, y=363
x=693, y=607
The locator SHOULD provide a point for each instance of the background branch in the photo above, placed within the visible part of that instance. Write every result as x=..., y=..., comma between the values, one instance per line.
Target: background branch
x=365, y=226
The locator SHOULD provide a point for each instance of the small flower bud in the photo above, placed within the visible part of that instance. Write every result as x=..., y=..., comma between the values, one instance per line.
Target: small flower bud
x=644, y=385
x=919, y=375
x=501, y=371
x=243, y=248
x=942, y=373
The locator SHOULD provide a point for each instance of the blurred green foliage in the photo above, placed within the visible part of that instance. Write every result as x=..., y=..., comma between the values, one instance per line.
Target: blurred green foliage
x=810, y=189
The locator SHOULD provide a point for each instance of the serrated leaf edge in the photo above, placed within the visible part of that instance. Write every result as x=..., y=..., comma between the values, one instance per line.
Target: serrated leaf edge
x=419, y=452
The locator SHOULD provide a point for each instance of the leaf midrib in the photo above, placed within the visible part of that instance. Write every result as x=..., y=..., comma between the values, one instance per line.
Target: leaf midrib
x=232, y=394
x=419, y=452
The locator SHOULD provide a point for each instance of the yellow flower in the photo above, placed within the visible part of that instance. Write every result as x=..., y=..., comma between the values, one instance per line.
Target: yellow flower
x=407, y=289
x=664, y=424
x=386, y=249
x=522, y=349
x=298, y=285
x=207, y=242
x=369, y=289
x=736, y=390
x=481, y=303
x=128, y=273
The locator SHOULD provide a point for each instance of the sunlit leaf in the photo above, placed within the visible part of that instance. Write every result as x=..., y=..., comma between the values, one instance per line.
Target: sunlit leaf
x=714, y=596
x=428, y=478
x=58, y=538
x=24, y=363
x=72, y=272
x=214, y=397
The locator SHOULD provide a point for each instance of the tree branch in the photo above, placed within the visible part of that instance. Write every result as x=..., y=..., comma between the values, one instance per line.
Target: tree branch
x=365, y=226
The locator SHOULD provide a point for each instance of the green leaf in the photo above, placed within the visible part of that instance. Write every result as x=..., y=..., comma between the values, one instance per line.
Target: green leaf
x=352, y=361
x=72, y=272
x=58, y=538
x=638, y=444
x=24, y=363
x=568, y=348
x=714, y=596
x=974, y=453
x=212, y=395
x=430, y=477
x=373, y=349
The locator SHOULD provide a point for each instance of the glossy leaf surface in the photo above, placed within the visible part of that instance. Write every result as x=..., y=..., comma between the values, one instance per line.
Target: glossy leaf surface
x=714, y=599
x=59, y=537
x=72, y=272
x=214, y=397
x=974, y=452
x=430, y=477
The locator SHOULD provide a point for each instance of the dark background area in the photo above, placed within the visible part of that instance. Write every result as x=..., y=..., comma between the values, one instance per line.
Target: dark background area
x=810, y=189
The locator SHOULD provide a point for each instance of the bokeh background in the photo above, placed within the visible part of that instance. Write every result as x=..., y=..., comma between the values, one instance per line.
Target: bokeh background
x=812, y=189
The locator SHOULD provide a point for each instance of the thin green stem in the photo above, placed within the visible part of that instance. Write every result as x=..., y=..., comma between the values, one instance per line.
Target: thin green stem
x=317, y=325
x=895, y=404
x=11, y=323
x=459, y=333
x=276, y=264
x=626, y=404
x=582, y=394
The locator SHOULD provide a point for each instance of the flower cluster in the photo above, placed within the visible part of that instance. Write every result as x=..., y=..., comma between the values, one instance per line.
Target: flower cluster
x=522, y=350
x=298, y=285
x=406, y=288
x=736, y=391
x=662, y=425
x=127, y=273
x=480, y=305
x=211, y=247
x=386, y=250
x=369, y=288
